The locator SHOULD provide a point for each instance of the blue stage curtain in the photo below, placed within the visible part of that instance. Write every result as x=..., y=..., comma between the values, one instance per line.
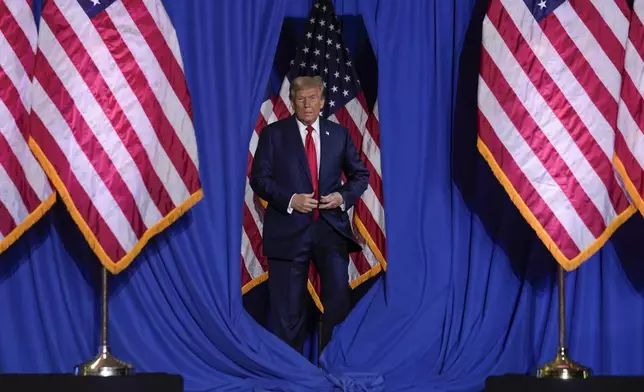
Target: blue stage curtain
x=469, y=292
x=178, y=307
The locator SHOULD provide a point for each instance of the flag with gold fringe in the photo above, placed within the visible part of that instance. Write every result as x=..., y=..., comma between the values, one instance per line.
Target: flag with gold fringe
x=112, y=121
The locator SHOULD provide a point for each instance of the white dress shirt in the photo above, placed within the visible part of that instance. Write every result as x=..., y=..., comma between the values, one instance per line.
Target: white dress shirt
x=315, y=134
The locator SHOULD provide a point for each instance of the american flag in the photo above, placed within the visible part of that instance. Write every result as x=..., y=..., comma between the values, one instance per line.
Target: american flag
x=629, y=144
x=25, y=192
x=549, y=86
x=112, y=121
x=322, y=52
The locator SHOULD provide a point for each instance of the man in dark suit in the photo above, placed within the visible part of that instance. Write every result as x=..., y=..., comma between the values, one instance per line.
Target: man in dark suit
x=297, y=169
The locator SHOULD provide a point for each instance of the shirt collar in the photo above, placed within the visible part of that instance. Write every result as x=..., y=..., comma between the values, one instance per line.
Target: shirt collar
x=315, y=125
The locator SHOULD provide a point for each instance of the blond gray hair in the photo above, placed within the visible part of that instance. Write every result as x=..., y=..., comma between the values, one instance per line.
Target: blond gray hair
x=304, y=82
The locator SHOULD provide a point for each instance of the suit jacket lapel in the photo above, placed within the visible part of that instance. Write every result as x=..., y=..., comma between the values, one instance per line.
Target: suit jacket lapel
x=298, y=146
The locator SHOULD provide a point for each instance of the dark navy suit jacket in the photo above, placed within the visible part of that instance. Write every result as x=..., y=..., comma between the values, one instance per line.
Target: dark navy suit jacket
x=280, y=169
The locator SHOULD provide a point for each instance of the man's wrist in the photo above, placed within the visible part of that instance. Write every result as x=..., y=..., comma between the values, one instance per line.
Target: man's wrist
x=289, y=209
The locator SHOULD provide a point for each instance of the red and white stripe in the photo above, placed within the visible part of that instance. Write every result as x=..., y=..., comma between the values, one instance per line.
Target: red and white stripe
x=629, y=145
x=548, y=98
x=25, y=192
x=112, y=122
x=254, y=267
x=367, y=215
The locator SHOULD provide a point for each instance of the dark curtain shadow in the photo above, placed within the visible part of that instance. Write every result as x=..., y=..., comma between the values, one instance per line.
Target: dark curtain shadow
x=481, y=191
x=366, y=65
x=627, y=241
x=285, y=51
x=360, y=291
x=257, y=304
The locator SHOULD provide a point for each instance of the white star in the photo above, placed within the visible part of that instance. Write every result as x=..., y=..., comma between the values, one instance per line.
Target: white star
x=314, y=67
x=329, y=42
x=331, y=27
x=334, y=89
x=542, y=4
x=96, y=2
x=319, y=37
x=349, y=63
x=324, y=8
x=331, y=103
x=337, y=46
x=302, y=64
x=345, y=93
x=317, y=5
x=312, y=20
x=347, y=78
x=292, y=62
x=326, y=55
x=317, y=52
x=324, y=83
x=322, y=22
x=336, y=74
x=305, y=50
x=309, y=35
x=326, y=70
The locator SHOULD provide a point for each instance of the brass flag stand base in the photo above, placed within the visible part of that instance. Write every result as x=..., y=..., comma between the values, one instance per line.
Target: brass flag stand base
x=562, y=367
x=104, y=364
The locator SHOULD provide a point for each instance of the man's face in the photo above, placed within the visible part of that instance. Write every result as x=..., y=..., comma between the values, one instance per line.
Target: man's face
x=307, y=104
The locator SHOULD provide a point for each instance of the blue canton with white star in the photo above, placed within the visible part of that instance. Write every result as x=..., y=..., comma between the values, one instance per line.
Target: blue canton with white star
x=93, y=7
x=542, y=8
x=322, y=52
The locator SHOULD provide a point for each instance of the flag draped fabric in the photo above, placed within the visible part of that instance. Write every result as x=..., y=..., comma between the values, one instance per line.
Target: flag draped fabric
x=25, y=192
x=629, y=145
x=112, y=121
x=322, y=52
x=548, y=96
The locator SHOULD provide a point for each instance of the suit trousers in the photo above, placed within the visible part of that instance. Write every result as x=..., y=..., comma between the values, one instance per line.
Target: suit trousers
x=328, y=250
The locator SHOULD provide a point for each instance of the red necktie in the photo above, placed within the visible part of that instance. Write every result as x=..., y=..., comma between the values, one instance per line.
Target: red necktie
x=311, y=157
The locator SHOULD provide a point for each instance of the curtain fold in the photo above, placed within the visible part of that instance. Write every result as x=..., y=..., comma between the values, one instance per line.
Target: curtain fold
x=401, y=325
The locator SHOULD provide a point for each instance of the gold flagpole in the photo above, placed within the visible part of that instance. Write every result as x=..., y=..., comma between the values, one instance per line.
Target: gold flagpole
x=562, y=367
x=104, y=364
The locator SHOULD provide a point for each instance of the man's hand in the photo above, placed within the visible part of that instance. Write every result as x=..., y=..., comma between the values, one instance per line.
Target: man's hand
x=331, y=201
x=304, y=203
